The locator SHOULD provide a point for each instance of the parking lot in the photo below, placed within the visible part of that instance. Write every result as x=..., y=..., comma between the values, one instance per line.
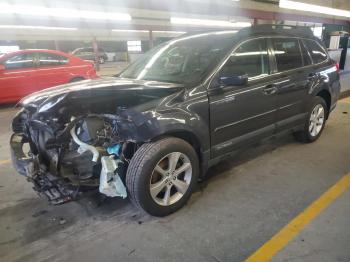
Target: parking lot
x=174, y=131
x=244, y=202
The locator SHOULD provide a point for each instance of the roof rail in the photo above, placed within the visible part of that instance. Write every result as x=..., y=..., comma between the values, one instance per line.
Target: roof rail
x=270, y=28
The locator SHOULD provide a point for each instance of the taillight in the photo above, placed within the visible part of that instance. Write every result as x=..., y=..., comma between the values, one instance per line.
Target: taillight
x=337, y=67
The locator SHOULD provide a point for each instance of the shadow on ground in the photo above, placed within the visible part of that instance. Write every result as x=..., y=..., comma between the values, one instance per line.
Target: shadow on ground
x=32, y=219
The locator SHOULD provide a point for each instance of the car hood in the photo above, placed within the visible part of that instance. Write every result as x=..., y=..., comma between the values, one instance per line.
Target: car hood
x=99, y=95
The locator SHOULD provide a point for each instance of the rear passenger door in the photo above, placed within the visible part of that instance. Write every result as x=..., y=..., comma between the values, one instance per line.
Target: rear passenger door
x=291, y=71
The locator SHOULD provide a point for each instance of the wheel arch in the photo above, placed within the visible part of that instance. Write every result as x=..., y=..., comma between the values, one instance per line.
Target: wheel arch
x=193, y=140
x=326, y=95
x=185, y=135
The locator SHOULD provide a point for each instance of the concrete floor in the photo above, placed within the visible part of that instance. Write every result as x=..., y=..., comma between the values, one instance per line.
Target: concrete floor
x=243, y=203
x=111, y=68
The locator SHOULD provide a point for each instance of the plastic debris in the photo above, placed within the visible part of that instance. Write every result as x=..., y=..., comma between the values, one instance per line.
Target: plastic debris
x=110, y=183
x=114, y=150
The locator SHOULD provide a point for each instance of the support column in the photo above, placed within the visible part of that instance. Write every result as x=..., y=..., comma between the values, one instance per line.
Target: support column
x=151, y=43
x=95, y=47
x=57, y=46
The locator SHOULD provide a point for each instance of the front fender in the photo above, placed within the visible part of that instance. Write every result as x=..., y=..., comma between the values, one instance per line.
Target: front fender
x=186, y=123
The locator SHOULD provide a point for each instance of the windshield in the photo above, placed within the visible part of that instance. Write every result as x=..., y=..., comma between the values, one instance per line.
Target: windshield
x=183, y=60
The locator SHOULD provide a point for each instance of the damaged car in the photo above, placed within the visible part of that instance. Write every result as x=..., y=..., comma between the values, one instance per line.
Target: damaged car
x=151, y=132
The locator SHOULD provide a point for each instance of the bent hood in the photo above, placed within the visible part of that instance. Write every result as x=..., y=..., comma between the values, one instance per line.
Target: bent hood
x=100, y=95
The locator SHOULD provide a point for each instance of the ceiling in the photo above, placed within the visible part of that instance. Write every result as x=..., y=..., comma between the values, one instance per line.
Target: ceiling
x=150, y=15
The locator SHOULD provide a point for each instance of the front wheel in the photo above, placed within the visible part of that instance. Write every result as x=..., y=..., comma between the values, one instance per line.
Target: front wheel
x=162, y=176
x=315, y=121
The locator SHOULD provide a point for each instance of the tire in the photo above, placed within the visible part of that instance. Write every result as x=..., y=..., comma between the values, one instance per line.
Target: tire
x=76, y=79
x=307, y=135
x=141, y=176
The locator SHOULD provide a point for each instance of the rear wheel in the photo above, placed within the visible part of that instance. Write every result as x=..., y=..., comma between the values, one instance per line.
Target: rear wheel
x=162, y=176
x=315, y=122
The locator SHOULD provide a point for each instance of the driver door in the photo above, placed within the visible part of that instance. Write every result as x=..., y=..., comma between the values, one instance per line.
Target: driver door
x=240, y=115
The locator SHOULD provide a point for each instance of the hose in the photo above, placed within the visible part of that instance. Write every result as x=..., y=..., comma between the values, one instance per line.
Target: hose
x=85, y=146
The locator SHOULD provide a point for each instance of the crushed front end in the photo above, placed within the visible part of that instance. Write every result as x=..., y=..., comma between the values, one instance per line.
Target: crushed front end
x=65, y=156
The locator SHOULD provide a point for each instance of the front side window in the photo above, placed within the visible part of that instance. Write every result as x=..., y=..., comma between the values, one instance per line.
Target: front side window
x=20, y=61
x=185, y=60
x=287, y=53
x=250, y=58
x=47, y=59
x=317, y=52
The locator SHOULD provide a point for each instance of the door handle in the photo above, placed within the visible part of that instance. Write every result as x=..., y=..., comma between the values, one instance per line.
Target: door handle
x=270, y=89
x=311, y=77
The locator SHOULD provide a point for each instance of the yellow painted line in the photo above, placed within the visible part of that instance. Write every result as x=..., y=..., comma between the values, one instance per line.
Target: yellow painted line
x=286, y=234
x=4, y=162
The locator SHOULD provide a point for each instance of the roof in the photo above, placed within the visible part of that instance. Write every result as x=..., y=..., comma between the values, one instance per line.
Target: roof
x=5, y=55
x=286, y=30
x=300, y=31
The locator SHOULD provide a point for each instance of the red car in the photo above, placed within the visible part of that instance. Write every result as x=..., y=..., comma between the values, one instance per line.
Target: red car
x=26, y=71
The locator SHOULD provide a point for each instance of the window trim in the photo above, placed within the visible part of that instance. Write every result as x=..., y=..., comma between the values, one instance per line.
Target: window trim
x=37, y=60
x=274, y=55
x=225, y=59
x=208, y=81
x=20, y=68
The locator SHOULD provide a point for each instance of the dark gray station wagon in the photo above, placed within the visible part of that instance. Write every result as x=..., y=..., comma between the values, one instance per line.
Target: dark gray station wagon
x=152, y=131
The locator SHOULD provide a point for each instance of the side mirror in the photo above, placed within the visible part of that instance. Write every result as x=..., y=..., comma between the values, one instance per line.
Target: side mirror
x=2, y=67
x=235, y=80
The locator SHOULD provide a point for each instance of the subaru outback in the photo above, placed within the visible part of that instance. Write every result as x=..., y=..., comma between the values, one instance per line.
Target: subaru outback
x=151, y=132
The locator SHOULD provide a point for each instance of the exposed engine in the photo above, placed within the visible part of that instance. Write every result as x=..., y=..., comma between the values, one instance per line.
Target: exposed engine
x=83, y=154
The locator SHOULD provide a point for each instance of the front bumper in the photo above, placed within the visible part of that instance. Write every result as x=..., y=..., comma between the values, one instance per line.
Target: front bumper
x=54, y=188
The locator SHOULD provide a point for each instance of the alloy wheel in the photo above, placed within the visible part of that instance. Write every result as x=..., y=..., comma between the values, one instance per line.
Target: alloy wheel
x=170, y=179
x=317, y=118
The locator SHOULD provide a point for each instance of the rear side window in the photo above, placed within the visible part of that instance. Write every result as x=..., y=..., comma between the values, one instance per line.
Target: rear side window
x=287, y=53
x=20, y=61
x=249, y=58
x=305, y=53
x=47, y=59
x=317, y=52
